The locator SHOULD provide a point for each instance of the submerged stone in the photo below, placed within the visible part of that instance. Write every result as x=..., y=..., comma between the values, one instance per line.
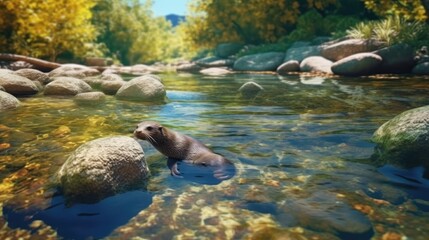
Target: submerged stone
x=404, y=140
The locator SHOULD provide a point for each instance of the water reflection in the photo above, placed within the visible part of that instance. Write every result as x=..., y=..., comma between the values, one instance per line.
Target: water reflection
x=302, y=150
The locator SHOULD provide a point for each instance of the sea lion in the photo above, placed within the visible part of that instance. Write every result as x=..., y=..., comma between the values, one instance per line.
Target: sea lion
x=180, y=147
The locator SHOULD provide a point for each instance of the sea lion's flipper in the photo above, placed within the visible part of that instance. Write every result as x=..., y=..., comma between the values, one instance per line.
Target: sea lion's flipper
x=174, y=170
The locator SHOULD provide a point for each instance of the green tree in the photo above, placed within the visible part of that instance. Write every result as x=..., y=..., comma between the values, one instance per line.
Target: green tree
x=250, y=21
x=131, y=32
x=46, y=28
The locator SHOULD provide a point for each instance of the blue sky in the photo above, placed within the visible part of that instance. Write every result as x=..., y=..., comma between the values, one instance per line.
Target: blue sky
x=165, y=7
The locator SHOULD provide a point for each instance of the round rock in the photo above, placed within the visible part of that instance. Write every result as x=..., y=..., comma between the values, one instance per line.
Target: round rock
x=17, y=85
x=8, y=101
x=357, y=65
x=103, y=167
x=250, y=89
x=144, y=88
x=90, y=98
x=34, y=75
x=316, y=64
x=66, y=86
x=421, y=69
x=289, y=66
x=404, y=140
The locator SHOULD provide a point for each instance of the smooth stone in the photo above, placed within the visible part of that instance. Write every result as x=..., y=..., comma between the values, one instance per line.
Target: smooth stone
x=8, y=101
x=269, y=61
x=17, y=85
x=101, y=168
x=316, y=64
x=66, y=86
x=287, y=67
x=357, y=65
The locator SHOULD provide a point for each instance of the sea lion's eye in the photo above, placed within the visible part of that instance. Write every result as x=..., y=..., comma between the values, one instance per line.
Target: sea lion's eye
x=149, y=128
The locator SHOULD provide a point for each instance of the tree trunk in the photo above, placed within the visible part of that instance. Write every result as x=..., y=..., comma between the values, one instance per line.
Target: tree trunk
x=39, y=64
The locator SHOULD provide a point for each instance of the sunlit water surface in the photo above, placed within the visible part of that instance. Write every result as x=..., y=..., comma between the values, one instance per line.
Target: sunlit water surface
x=302, y=151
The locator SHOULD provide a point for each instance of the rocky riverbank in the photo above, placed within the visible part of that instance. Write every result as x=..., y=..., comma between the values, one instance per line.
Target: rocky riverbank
x=344, y=57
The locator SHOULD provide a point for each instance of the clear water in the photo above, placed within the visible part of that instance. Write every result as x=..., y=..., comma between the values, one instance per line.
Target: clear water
x=302, y=150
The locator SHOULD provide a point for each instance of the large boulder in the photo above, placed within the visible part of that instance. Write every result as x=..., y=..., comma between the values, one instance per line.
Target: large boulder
x=103, y=167
x=34, y=75
x=17, y=85
x=287, y=67
x=421, y=69
x=300, y=53
x=73, y=70
x=398, y=58
x=316, y=64
x=259, y=62
x=340, y=50
x=357, y=65
x=144, y=88
x=66, y=86
x=225, y=50
x=7, y=101
x=404, y=140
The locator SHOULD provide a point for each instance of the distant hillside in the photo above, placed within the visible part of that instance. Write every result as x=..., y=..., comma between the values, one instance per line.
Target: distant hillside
x=175, y=19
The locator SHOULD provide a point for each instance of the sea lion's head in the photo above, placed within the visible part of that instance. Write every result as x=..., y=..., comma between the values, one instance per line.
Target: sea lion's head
x=150, y=131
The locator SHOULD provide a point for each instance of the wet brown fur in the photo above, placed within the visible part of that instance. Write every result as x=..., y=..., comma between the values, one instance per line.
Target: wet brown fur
x=177, y=147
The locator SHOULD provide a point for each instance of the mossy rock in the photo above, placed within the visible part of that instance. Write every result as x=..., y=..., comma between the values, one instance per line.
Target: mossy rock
x=404, y=140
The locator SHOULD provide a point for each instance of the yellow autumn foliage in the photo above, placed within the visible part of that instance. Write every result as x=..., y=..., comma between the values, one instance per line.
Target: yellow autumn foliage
x=46, y=28
x=408, y=9
x=251, y=21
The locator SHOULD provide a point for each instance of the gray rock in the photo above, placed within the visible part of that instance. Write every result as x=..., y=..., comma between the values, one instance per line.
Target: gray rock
x=111, y=77
x=73, y=70
x=259, y=62
x=225, y=50
x=189, y=67
x=214, y=62
x=316, y=64
x=357, y=65
x=66, y=86
x=90, y=98
x=250, y=89
x=289, y=66
x=398, y=58
x=421, y=69
x=17, y=85
x=299, y=44
x=215, y=71
x=103, y=167
x=111, y=87
x=8, y=101
x=144, y=88
x=34, y=75
x=300, y=53
x=340, y=50
x=404, y=140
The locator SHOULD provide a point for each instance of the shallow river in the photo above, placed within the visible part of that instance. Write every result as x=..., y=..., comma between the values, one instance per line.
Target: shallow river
x=302, y=149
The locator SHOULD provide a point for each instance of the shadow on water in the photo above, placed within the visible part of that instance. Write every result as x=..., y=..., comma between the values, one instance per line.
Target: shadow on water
x=202, y=174
x=83, y=221
x=411, y=180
